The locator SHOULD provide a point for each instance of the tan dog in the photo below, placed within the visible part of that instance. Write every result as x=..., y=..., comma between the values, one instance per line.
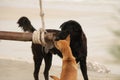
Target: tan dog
x=69, y=66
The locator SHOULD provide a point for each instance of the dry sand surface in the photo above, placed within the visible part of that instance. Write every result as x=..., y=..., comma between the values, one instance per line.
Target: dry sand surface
x=12, y=70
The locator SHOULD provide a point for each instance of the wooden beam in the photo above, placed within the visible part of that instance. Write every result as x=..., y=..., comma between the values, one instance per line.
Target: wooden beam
x=17, y=36
x=22, y=36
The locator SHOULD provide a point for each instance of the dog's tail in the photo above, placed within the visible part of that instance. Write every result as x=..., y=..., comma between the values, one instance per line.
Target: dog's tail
x=54, y=77
x=25, y=24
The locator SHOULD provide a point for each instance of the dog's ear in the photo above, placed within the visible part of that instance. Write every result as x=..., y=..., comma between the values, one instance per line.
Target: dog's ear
x=54, y=77
x=68, y=39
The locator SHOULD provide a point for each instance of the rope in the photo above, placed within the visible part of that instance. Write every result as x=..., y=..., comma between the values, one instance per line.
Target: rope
x=43, y=32
x=40, y=33
x=42, y=14
x=38, y=37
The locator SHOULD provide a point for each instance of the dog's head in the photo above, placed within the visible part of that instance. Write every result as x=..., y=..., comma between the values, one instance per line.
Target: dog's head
x=70, y=27
x=60, y=44
x=24, y=23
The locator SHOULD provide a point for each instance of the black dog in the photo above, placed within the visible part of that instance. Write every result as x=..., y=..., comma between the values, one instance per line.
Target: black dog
x=38, y=50
x=78, y=43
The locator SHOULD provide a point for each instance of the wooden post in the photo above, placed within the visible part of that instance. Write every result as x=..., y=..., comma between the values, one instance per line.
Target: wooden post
x=18, y=36
x=22, y=36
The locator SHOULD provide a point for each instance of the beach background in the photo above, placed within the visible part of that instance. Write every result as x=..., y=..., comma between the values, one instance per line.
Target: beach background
x=98, y=18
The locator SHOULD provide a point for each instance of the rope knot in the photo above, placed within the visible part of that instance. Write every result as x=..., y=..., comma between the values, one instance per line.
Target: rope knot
x=42, y=14
x=38, y=37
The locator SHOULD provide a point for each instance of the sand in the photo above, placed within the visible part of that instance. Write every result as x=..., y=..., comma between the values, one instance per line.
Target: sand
x=12, y=70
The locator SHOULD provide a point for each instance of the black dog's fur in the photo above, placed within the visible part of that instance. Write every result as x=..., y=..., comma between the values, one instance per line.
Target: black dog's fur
x=38, y=50
x=78, y=45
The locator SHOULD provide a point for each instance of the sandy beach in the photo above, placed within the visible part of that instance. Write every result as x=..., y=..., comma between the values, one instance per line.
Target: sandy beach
x=12, y=70
x=98, y=19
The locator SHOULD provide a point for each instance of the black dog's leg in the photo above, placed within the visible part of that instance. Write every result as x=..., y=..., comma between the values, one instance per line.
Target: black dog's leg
x=37, y=63
x=83, y=67
x=48, y=62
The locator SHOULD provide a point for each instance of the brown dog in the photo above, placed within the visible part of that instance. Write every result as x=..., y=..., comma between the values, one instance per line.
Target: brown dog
x=69, y=66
